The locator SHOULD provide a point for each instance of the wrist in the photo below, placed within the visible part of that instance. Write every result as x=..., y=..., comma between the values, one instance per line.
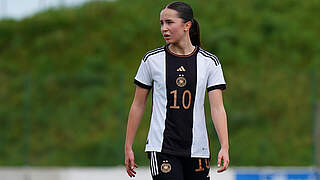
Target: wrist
x=128, y=148
x=225, y=146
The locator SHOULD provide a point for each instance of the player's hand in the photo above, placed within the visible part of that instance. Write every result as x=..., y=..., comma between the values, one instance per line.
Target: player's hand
x=129, y=162
x=223, y=156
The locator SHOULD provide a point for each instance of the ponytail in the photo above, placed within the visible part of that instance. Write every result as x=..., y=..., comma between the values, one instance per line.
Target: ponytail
x=194, y=33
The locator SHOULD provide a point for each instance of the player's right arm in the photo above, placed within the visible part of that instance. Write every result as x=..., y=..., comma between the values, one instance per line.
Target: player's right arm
x=135, y=115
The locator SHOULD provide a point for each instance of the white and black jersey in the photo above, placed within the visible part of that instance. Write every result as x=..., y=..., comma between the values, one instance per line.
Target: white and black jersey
x=178, y=83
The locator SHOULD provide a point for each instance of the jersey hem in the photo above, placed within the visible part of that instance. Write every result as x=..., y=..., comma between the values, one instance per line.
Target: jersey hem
x=179, y=154
x=200, y=156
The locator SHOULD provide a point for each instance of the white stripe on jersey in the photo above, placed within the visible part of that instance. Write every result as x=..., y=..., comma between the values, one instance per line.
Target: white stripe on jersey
x=157, y=63
x=200, y=141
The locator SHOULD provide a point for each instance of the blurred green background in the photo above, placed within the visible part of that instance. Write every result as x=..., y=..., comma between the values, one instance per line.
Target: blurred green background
x=67, y=75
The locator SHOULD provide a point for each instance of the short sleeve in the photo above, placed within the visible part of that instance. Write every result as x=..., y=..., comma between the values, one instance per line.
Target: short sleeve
x=143, y=77
x=215, y=78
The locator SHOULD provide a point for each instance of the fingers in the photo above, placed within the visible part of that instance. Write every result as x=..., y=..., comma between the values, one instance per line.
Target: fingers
x=130, y=165
x=221, y=169
x=219, y=161
x=223, y=158
x=225, y=165
x=131, y=172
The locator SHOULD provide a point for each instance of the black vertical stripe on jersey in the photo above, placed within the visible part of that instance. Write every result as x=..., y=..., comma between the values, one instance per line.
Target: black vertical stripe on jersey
x=177, y=137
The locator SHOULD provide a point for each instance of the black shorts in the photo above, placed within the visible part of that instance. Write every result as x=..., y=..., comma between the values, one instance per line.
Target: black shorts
x=169, y=167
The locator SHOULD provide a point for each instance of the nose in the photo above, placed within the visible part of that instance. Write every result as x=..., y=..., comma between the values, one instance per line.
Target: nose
x=164, y=27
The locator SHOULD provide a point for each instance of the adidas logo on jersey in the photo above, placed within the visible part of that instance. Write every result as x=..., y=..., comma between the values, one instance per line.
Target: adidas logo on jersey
x=181, y=69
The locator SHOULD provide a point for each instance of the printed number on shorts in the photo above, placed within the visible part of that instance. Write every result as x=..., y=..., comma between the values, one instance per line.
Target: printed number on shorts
x=200, y=166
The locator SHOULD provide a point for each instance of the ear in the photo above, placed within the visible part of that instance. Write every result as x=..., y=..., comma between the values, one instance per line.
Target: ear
x=187, y=26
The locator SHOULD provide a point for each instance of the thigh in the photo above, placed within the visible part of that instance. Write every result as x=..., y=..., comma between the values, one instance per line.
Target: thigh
x=165, y=166
x=197, y=169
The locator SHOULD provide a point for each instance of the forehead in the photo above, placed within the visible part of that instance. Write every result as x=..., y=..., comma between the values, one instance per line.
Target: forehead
x=168, y=14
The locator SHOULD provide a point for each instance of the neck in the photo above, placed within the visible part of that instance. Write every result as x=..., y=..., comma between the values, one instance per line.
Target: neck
x=182, y=47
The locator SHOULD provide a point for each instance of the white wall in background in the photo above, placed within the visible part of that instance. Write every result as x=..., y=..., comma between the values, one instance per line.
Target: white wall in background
x=115, y=173
x=143, y=173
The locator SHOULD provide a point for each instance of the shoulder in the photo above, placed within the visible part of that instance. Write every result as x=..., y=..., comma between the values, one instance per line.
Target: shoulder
x=209, y=56
x=152, y=53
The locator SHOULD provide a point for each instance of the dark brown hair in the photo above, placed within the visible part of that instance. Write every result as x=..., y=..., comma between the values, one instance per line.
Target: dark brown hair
x=185, y=12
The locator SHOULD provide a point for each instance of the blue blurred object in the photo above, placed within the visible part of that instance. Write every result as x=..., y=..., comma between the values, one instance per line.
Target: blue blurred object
x=247, y=176
x=283, y=174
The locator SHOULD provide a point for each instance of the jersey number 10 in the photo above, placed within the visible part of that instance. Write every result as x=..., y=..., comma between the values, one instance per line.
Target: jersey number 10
x=175, y=92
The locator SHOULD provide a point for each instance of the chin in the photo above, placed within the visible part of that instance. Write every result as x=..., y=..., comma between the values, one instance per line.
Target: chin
x=170, y=41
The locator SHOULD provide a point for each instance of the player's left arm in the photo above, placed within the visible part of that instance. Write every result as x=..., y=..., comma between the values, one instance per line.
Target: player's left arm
x=219, y=119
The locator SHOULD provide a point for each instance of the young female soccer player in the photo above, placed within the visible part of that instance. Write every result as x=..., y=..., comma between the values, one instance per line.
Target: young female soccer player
x=178, y=73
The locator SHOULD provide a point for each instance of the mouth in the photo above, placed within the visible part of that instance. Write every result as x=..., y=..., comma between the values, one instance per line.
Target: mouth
x=166, y=36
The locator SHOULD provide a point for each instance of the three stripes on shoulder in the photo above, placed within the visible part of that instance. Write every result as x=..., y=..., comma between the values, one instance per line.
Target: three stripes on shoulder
x=209, y=55
x=152, y=52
